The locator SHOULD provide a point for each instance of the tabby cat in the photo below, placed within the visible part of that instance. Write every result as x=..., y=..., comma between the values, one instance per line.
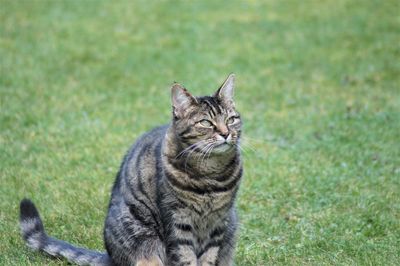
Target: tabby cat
x=173, y=199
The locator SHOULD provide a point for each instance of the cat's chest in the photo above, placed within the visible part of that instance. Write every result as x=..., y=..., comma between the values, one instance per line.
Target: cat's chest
x=202, y=222
x=199, y=230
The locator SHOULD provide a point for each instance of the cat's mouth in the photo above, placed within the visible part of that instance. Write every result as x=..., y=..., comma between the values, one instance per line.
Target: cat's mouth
x=222, y=147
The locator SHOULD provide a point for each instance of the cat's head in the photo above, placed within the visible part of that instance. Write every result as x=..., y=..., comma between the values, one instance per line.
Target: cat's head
x=209, y=124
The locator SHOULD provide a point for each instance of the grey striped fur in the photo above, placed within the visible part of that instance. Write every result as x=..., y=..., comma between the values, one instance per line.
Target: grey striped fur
x=173, y=199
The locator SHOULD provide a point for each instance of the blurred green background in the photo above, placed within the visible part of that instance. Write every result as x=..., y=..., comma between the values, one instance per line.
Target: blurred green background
x=317, y=86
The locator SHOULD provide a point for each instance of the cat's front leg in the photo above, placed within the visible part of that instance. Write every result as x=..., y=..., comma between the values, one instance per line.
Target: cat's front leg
x=181, y=243
x=209, y=257
x=220, y=246
x=183, y=254
x=218, y=255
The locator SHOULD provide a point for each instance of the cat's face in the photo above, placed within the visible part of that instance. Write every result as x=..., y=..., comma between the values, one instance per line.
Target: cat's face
x=208, y=124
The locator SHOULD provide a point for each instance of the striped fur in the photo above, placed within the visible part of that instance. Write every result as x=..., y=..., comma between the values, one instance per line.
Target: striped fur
x=173, y=199
x=36, y=238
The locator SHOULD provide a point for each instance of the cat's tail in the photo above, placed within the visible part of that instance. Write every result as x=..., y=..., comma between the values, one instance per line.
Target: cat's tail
x=36, y=238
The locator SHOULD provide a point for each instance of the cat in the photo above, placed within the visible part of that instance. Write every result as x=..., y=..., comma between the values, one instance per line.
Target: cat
x=173, y=201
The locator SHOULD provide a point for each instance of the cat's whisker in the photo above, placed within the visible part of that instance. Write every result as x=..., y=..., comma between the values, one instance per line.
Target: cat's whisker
x=209, y=154
x=248, y=146
x=187, y=149
x=241, y=148
x=246, y=138
x=207, y=151
x=246, y=149
x=202, y=153
x=191, y=152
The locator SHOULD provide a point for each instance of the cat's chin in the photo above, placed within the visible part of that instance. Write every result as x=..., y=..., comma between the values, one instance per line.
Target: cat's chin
x=223, y=148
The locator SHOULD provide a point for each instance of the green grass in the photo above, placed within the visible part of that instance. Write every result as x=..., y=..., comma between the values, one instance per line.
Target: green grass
x=318, y=85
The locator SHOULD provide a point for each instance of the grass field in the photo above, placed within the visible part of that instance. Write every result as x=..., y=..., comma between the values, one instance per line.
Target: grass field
x=318, y=85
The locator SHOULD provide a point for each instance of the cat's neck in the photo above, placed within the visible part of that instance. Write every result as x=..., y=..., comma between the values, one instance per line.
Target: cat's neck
x=196, y=163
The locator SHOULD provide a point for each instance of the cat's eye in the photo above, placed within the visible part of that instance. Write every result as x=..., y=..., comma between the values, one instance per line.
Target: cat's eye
x=231, y=120
x=206, y=123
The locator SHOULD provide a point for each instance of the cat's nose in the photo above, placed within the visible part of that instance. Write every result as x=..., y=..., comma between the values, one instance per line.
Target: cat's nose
x=223, y=130
x=224, y=134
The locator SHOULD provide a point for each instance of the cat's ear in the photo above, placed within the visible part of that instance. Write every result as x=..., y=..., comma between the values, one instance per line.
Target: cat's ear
x=226, y=91
x=182, y=100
